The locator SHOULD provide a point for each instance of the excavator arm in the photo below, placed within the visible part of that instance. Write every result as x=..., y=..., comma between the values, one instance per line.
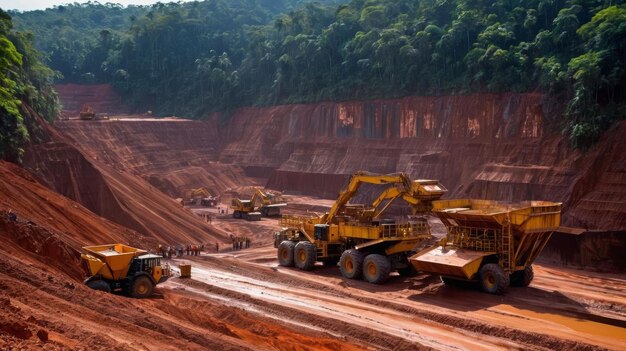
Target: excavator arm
x=358, y=179
x=420, y=196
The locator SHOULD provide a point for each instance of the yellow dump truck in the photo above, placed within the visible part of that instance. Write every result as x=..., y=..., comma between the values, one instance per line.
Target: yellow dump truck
x=491, y=242
x=358, y=237
x=119, y=268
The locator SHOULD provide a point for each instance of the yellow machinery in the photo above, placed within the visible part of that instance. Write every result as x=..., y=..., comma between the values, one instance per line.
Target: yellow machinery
x=363, y=244
x=491, y=242
x=123, y=269
x=249, y=210
x=201, y=196
x=87, y=113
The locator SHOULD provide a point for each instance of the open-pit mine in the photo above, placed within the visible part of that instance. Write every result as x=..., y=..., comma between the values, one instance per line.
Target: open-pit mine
x=131, y=178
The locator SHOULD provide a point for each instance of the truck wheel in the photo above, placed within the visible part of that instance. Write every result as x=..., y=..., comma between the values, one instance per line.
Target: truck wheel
x=376, y=268
x=493, y=279
x=522, y=278
x=142, y=287
x=285, y=253
x=351, y=264
x=305, y=255
x=99, y=285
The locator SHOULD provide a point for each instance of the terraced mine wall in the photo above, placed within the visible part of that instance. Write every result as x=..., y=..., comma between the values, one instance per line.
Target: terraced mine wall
x=492, y=146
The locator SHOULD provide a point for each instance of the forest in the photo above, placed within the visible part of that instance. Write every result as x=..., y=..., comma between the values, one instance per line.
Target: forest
x=25, y=90
x=194, y=58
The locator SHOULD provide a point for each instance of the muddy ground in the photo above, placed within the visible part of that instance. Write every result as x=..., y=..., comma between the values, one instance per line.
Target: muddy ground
x=237, y=300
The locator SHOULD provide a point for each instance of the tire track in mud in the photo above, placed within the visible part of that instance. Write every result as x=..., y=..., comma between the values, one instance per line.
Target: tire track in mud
x=351, y=334
x=503, y=335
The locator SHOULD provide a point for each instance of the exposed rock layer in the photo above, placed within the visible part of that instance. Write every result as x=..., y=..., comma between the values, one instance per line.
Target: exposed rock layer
x=493, y=146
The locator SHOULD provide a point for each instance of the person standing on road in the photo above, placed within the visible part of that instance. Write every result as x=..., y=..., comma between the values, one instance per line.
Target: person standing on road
x=217, y=247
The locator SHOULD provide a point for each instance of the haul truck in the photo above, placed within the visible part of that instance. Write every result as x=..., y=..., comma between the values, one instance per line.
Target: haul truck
x=364, y=244
x=123, y=269
x=491, y=242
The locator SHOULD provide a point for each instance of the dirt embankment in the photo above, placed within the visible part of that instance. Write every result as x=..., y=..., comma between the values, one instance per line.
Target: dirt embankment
x=101, y=97
x=111, y=192
x=44, y=305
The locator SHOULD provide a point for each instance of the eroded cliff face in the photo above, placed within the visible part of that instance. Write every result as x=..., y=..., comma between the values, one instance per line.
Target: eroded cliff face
x=492, y=146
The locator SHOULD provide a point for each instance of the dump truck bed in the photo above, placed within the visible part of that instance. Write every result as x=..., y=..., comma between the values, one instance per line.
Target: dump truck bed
x=526, y=217
x=514, y=233
x=116, y=256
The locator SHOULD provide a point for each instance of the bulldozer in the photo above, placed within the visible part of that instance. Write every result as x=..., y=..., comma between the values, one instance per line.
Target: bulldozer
x=248, y=209
x=122, y=269
x=355, y=236
x=489, y=242
x=87, y=113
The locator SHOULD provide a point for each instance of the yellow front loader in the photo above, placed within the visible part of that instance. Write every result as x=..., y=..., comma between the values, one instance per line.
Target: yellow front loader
x=119, y=268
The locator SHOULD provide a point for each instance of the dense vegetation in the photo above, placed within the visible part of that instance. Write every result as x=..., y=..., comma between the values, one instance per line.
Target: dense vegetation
x=24, y=84
x=194, y=58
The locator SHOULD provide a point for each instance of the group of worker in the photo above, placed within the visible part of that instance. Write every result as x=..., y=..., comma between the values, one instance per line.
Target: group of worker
x=179, y=250
x=240, y=242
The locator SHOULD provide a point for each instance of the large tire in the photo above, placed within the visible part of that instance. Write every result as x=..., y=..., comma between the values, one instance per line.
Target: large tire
x=305, y=255
x=376, y=268
x=523, y=277
x=285, y=253
x=493, y=279
x=237, y=214
x=100, y=285
x=142, y=287
x=351, y=264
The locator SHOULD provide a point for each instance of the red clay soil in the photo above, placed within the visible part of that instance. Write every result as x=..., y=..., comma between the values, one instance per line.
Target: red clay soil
x=101, y=97
x=112, y=192
x=43, y=303
x=243, y=301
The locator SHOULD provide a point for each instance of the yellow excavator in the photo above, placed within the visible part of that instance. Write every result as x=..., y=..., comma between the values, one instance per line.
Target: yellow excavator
x=123, y=269
x=248, y=209
x=364, y=244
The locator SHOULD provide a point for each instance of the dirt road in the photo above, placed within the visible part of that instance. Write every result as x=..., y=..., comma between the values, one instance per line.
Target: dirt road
x=562, y=309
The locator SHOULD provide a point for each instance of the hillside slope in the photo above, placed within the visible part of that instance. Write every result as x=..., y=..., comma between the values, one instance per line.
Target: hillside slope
x=113, y=193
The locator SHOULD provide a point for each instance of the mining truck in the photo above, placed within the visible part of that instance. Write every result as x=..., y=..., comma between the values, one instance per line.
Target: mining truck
x=357, y=236
x=87, y=113
x=122, y=269
x=493, y=243
x=249, y=210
